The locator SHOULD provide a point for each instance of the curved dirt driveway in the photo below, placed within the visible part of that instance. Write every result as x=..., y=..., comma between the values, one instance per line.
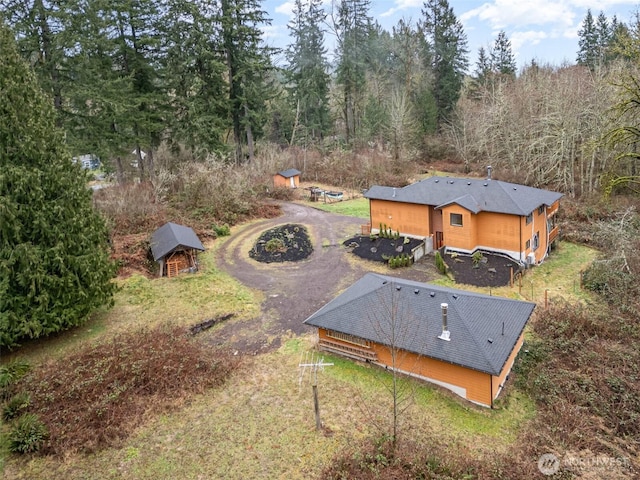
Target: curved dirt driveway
x=293, y=290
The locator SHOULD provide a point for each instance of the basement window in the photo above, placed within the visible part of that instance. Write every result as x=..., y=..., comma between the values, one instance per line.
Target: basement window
x=456, y=219
x=345, y=337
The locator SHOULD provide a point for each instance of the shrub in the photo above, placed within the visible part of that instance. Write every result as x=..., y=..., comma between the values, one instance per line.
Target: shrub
x=16, y=405
x=476, y=258
x=9, y=375
x=28, y=434
x=440, y=265
x=222, y=231
x=275, y=245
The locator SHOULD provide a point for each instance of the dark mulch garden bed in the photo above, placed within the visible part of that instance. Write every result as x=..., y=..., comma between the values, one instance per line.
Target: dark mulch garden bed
x=491, y=271
x=381, y=249
x=286, y=243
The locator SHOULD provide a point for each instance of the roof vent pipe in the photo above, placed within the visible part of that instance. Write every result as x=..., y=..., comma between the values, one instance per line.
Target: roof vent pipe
x=394, y=192
x=445, y=329
x=489, y=168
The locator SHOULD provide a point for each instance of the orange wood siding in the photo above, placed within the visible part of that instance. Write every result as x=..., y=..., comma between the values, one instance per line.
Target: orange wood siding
x=477, y=384
x=499, y=231
x=497, y=381
x=462, y=237
x=280, y=181
x=407, y=218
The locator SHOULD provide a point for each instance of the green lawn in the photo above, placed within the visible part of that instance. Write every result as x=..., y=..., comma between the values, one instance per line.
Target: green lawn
x=358, y=207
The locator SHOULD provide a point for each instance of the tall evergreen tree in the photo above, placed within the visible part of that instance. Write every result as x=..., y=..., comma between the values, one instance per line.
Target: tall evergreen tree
x=307, y=70
x=483, y=67
x=39, y=26
x=449, y=60
x=410, y=67
x=248, y=70
x=603, y=37
x=352, y=25
x=194, y=73
x=54, y=259
x=502, y=58
x=588, y=42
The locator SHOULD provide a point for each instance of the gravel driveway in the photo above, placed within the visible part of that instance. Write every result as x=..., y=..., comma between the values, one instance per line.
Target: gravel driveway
x=295, y=290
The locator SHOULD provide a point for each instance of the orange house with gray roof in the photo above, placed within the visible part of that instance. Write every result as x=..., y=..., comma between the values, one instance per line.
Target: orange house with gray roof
x=465, y=342
x=465, y=215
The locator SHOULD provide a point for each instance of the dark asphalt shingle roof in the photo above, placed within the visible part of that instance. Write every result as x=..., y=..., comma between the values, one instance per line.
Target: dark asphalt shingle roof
x=292, y=172
x=171, y=236
x=475, y=195
x=473, y=320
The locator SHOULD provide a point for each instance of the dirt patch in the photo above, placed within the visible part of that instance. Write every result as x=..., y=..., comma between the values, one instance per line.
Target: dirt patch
x=286, y=243
x=490, y=271
x=381, y=249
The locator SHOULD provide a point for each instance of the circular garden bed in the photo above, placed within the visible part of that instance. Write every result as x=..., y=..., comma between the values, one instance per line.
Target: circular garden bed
x=285, y=243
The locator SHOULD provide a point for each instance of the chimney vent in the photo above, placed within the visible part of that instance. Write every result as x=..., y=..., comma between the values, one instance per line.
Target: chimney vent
x=445, y=335
x=489, y=168
x=416, y=291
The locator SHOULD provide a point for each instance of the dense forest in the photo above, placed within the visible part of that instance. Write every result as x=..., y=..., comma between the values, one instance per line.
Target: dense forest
x=130, y=79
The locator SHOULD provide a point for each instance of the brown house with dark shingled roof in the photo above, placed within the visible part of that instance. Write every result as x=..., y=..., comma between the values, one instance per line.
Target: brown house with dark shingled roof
x=465, y=215
x=465, y=342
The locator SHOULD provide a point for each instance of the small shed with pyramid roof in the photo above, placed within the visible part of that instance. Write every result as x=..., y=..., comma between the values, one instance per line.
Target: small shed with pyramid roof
x=175, y=248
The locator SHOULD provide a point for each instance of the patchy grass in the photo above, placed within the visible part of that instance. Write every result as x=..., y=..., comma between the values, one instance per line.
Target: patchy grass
x=260, y=424
x=358, y=207
x=559, y=275
x=142, y=302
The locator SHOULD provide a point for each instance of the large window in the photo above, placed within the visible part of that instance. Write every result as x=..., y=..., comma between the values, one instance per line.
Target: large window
x=536, y=240
x=456, y=219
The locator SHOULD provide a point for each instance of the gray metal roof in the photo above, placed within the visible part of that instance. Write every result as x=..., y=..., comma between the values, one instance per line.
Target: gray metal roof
x=171, y=236
x=475, y=195
x=292, y=172
x=483, y=329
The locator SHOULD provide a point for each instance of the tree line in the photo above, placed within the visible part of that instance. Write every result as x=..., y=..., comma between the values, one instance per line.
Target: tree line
x=127, y=77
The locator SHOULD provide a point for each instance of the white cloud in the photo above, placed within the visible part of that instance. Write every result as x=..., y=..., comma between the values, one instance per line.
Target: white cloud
x=528, y=38
x=402, y=5
x=285, y=8
x=514, y=14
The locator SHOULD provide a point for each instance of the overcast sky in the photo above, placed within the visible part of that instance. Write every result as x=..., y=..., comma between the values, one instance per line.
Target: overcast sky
x=544, y=30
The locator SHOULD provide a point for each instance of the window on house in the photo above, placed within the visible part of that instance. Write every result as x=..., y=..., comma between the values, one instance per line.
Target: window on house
x=529, y=218
x=456, y=219
x=348, y=338
x=536, y=240
x=527, y=245
x=540, y=209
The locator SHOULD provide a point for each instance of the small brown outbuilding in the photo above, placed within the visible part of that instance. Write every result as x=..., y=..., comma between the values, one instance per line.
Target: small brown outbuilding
x=287, y=178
